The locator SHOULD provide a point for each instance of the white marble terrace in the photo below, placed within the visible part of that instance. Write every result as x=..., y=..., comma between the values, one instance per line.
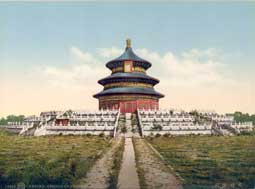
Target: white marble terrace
x=79, y=123
x=183, y=123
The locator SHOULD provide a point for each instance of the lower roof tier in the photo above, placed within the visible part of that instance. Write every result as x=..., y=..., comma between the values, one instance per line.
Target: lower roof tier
x=129, y=77
x=129, y=90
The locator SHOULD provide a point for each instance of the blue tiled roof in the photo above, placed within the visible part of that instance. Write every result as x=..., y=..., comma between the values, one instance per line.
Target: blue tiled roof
x=134, y=75
x=129, y=90
x=128, y=55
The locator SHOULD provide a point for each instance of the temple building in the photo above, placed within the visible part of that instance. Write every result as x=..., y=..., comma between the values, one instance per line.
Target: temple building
x=128, y=88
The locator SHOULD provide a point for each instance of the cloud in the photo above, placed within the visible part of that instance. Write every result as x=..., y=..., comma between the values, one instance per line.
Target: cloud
x=83, y=56
x=209, y=53
x=83, y=71
x=112, y=52
x=191, y=68
x=74, y=76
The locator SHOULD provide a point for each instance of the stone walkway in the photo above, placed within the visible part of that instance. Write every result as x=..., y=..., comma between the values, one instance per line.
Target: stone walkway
x=99, y=174
x=128, y=178
x=128, y=125
x=156, y=173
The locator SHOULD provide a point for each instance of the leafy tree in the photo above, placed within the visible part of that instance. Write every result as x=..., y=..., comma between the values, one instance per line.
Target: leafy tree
x=242, y=117
x=3, y=121
x=12, y=118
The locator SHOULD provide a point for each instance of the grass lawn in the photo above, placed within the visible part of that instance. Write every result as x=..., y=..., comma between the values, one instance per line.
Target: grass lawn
x=209, y=161
x=48, y=160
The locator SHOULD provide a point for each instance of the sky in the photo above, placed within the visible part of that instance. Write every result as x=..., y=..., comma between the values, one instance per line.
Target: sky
x=53, y=54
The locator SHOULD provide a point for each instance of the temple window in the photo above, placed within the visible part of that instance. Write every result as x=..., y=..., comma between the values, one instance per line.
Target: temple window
x=128, y=66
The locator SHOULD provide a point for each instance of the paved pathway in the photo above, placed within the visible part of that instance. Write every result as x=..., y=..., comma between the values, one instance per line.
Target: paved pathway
x=128, y=125
x=128, y=178
x=156, y=173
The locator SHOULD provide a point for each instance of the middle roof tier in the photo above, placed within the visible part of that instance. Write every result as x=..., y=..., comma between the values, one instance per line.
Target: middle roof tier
x=128, y=77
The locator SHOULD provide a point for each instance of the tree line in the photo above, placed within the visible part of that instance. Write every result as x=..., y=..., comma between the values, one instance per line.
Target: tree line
x=12, y=118
x=243, y=117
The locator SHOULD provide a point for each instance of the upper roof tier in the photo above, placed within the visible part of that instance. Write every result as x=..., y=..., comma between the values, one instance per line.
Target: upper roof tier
x=128, y=55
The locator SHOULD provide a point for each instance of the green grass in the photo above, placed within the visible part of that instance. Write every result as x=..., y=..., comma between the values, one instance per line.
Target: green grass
x=209, y=161
x=59, y=160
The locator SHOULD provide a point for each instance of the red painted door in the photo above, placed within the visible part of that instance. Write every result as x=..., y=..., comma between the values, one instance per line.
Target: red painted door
x=122, y=107
x=128, y=107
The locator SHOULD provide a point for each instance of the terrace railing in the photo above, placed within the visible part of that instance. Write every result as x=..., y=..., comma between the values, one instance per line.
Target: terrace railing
x=140, y=125
x=116, y=124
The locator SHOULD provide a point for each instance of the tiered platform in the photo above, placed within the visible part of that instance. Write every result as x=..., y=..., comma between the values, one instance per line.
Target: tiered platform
x=184, y=123
x=69, y=123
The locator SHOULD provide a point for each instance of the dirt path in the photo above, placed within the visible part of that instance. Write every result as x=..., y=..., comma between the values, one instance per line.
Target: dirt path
x=156, y=174
x=128, y=178
x=99, y=174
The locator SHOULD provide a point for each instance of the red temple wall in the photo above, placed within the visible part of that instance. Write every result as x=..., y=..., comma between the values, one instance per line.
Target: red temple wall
x=129, y=106
x=63, y=122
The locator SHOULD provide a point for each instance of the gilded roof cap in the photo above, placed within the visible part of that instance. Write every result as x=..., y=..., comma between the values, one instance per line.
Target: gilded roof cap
x=128, y=43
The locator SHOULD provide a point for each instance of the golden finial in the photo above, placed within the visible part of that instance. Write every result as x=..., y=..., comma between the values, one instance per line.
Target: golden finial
x=128, y=42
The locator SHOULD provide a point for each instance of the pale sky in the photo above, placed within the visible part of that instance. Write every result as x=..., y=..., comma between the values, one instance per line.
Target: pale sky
x=52, y=54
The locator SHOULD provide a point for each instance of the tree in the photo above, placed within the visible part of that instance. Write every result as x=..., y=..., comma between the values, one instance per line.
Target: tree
x=242, y=117
x=12, y=118
x=3, y=121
